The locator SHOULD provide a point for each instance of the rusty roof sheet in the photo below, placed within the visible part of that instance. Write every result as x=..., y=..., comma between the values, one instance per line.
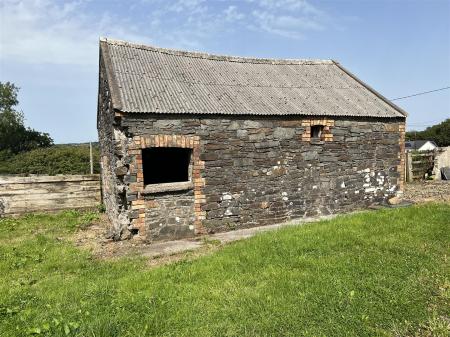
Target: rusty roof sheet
x=154, y=80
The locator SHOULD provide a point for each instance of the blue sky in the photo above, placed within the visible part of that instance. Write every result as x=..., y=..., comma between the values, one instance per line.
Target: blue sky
x=50, y=48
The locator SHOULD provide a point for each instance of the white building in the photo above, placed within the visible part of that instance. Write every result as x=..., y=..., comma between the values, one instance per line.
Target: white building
x=420, y=145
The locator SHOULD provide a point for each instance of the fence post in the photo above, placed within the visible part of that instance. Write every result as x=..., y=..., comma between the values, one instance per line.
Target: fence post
x=91, y=160
x=409, y=172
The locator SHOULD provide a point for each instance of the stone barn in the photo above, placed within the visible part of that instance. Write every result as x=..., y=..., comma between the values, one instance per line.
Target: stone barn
x=193, y=143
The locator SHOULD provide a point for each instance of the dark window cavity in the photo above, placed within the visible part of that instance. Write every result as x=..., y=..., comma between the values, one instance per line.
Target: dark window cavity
x=165, y=165
x=316, y=131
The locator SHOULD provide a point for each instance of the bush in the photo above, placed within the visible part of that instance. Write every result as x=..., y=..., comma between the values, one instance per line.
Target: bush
x=57, y=159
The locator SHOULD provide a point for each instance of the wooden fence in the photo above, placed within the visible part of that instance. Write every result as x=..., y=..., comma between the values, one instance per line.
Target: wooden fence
x=419, y=164
x=38, y=193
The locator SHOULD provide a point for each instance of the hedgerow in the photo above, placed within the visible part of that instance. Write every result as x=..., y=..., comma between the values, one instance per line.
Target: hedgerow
x=57, y=159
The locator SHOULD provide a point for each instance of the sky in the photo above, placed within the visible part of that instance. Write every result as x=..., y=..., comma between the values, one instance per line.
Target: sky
x=49, y=48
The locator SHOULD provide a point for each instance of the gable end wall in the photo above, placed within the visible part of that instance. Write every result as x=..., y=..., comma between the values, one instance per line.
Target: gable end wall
x=112, y=149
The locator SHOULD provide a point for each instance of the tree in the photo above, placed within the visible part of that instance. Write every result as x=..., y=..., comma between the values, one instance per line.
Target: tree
x=14, y=136
x=439, y=133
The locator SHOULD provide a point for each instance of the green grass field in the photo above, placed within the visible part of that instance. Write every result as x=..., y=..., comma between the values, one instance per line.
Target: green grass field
x=383, y=273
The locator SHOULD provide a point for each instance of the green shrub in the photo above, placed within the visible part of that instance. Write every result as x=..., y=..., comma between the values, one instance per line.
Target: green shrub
x=57, y=159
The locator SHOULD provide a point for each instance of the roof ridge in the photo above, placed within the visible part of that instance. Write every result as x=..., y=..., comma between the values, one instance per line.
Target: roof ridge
x=216, y=57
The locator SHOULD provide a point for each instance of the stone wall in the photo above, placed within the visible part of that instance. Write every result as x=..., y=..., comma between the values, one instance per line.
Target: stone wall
x=258, y=171
x=112, y=145
x=170, y=215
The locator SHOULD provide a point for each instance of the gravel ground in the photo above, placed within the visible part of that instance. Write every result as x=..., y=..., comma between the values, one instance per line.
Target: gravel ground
x=428, y=190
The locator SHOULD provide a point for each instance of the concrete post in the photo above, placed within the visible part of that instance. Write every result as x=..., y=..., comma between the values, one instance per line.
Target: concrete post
x=91, y=160
x=409, y=172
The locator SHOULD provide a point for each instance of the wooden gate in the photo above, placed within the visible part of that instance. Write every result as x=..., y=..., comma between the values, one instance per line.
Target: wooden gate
x=419, y=165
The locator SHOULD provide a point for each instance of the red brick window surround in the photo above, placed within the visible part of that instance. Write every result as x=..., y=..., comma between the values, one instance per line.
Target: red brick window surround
x=321, y=126
x=195, y=181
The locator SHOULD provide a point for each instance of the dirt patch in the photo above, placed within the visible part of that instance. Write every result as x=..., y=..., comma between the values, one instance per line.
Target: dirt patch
x=92, y=237
x=428, y=190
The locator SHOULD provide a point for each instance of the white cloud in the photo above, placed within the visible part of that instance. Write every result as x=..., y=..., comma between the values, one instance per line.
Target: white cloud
x=58, y=32
x=285, y=25
x=289, y=5
x=232, y=14
x=41, y=31
x=287, y=18
x=190, y=23
x=191, y=6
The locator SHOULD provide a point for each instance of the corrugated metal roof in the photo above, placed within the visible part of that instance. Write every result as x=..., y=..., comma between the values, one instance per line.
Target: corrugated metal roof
x=154, y=80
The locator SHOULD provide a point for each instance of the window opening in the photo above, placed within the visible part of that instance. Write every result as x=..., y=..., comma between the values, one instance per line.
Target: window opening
x=165, y=165
x=316, y=131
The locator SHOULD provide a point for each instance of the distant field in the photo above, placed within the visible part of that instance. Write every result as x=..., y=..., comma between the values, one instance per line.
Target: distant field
x=379, y=273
